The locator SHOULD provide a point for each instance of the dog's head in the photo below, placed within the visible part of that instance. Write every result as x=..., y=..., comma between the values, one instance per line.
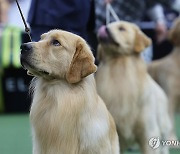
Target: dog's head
x=174, y=33
x=122, y=38
x=59, y=54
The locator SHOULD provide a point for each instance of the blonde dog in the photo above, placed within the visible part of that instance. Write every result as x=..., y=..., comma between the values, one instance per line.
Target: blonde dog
x=137, y=103
x=67, y=115
x=166, y=72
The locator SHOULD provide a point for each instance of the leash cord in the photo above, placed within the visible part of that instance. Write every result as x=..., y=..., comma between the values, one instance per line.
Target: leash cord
x=27, y=29
x=110, y=11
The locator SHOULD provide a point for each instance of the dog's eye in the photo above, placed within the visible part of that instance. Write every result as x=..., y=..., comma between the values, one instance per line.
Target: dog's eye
x=56, y=43
x=122, y=29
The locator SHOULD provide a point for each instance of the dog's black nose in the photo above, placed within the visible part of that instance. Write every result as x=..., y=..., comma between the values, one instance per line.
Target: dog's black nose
x=26, y=47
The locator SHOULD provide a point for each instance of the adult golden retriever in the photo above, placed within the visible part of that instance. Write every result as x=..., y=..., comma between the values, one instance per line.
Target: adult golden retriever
x=67, y=115
x=137, y=103
x=166, y=72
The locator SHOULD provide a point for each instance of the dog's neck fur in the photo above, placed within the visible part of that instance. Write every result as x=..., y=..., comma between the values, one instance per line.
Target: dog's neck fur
x=108, y=56
x=57, y=108
x=49, y=87
x=125, y=60
x=67, y=114
x=125, y=69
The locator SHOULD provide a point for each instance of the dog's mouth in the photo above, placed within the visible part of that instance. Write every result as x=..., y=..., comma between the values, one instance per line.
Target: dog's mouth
x=39, y=72
x=105, y=36
x=31, y=69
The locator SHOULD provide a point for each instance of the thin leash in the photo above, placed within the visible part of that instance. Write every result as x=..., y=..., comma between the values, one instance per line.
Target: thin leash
x=27, y=29
x=110, y=11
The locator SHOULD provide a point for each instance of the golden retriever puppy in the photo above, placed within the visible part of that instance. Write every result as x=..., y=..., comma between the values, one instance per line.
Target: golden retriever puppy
x=137, y=103
x=67, y=115
x=166, y=72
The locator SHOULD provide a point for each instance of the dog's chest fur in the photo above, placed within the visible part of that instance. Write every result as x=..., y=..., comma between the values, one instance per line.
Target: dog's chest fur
x=65, y=120
x=120, y=88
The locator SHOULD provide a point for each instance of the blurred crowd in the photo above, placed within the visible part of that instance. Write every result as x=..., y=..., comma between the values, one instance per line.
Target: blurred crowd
x=82, y=17
x=85, y=17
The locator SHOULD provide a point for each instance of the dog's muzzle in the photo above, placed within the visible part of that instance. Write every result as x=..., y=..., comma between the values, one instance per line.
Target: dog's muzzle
x=26, y=47
x=105, y=36
x=26, y=50
x=27, y=62
x=102, y=33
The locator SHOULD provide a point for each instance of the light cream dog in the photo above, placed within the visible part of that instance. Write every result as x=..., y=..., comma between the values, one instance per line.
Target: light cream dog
x=137, y=103
x=67, y=115
x=166, y=72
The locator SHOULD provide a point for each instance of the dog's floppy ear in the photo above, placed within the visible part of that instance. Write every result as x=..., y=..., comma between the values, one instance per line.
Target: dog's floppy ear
x=141, y=41
x=174, y=33
x=82, y=63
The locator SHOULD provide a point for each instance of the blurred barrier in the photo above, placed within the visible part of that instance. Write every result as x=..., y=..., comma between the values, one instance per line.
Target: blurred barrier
x=150, y=25
x=14, y=82
x=11, y=41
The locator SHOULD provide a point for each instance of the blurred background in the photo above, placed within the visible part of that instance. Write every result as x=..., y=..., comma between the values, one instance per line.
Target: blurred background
x=155, y=18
